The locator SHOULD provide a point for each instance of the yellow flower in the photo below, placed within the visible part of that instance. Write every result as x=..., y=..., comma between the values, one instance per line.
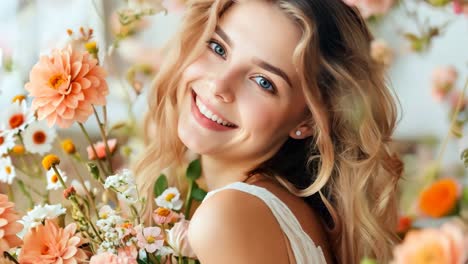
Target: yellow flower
x=49, y=161
x=18, y=149
x=68, y=146
x=18, y=98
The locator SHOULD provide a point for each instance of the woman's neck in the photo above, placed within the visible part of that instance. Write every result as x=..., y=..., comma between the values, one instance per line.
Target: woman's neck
x=218, y=173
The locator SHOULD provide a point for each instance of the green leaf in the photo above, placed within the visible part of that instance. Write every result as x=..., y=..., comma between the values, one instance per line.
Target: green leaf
x=198, y=194
x=160, y=185
x=142, y=261
x=194, y=170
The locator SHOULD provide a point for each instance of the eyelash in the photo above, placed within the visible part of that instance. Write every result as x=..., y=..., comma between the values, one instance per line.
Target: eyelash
x=212, y=41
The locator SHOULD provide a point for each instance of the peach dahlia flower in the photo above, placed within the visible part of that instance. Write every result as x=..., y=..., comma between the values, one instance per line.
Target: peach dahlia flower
x=65, y=85
x=49, y=243
x=8, y=225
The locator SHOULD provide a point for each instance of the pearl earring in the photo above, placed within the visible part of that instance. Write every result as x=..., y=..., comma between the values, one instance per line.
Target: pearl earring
x=298, y=133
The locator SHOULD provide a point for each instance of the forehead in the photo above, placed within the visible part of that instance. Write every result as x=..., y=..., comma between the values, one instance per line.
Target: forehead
x=261, y=29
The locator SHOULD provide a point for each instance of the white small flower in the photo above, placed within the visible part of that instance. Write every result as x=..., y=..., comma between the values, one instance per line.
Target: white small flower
x=7, y=171
x=124, y=184
x=140, y=5
x=38, y=214
x=79, y=188
x=170, y=199
x=38, y=137
x=7, y=141
x=53, y=182
x=17, y=116
x=130, y=195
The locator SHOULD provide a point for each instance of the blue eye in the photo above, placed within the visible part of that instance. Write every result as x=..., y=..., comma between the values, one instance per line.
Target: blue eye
x=264, y=83
x=217, y=48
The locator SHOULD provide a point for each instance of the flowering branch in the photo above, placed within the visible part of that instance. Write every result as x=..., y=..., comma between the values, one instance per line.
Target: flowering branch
x=452, y=123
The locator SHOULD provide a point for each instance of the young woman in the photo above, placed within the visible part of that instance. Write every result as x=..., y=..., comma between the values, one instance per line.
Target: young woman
x=292, y=121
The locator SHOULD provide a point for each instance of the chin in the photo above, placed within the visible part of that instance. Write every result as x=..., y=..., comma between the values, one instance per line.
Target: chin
x=192, y=140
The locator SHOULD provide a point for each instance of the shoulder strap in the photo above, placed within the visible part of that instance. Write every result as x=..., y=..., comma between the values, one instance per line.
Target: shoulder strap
x=301, y=244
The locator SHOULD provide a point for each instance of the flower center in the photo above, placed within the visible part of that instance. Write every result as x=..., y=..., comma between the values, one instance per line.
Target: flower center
x=2, y=140
x=127, y=225
x=8, y=169
x=150, y=239
x=169, y=197
x=39, y=137
x=54, y=178
x=56, y=80
x=163, y=211
x=16, y=120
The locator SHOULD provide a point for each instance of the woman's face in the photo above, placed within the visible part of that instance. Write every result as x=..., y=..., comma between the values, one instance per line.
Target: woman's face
x=242, y=96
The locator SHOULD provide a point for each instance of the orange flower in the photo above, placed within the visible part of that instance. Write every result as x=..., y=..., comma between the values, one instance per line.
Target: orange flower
x=8, y=225
x=49, y=243
x=65, y=86
x=440, y=198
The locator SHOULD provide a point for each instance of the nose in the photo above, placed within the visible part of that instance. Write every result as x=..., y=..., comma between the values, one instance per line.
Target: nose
x=224, y=86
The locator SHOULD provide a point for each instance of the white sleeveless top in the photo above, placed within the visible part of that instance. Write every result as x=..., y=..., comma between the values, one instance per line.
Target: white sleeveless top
x=304, y=249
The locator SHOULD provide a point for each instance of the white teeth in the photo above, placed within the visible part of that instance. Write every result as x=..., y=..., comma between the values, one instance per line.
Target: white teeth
x=207, y=113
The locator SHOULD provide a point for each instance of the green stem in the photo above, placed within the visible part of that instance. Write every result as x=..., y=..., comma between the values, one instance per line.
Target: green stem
x=188, y=199
x=59, y=177
x=83, y=129
x=104, y=138
x=452, y=123
x=11, y=194
x=88, y=192
x=26, y=193
x=75, y=201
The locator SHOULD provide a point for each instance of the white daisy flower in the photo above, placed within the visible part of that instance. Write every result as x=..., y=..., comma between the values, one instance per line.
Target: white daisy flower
x=38, y=137
x=38, y=214
x=7, y=171
x=17, y=116
x=7, y=141
x=170, y=199
x=53, y=182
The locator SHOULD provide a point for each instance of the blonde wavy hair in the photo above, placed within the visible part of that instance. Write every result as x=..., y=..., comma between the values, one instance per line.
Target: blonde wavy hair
x=345, y=170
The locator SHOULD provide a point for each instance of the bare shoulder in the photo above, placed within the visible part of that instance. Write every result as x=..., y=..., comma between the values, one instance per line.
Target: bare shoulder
x=235, y=227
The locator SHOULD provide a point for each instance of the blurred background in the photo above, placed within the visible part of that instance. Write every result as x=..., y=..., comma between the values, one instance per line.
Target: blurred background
x=424, y=45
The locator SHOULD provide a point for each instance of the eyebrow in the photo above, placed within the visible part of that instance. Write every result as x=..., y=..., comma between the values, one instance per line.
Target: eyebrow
x=261, y=63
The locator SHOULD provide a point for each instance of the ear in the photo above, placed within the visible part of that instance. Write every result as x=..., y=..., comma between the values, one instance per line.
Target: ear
x=302, y=131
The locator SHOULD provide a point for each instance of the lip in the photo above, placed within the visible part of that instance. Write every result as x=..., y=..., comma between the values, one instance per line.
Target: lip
x=204, y=121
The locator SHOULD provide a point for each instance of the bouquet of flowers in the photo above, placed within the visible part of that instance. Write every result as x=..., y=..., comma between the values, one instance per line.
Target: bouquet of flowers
x=102, y=218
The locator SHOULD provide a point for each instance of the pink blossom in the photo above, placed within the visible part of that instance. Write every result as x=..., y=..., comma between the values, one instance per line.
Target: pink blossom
x=126, y=255
x=174, y=6
x=177, y=238
x=443, y=81
x=101, y=149
x=445, y=245
x=371, y=7
x=65, y=86
x=150, y=238
x=460, y=6
x=164, y=216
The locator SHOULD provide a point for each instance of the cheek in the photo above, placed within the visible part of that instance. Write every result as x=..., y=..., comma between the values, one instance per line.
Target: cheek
x=262, y=117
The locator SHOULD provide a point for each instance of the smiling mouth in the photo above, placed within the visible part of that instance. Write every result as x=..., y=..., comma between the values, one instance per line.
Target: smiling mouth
x=207, y=113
